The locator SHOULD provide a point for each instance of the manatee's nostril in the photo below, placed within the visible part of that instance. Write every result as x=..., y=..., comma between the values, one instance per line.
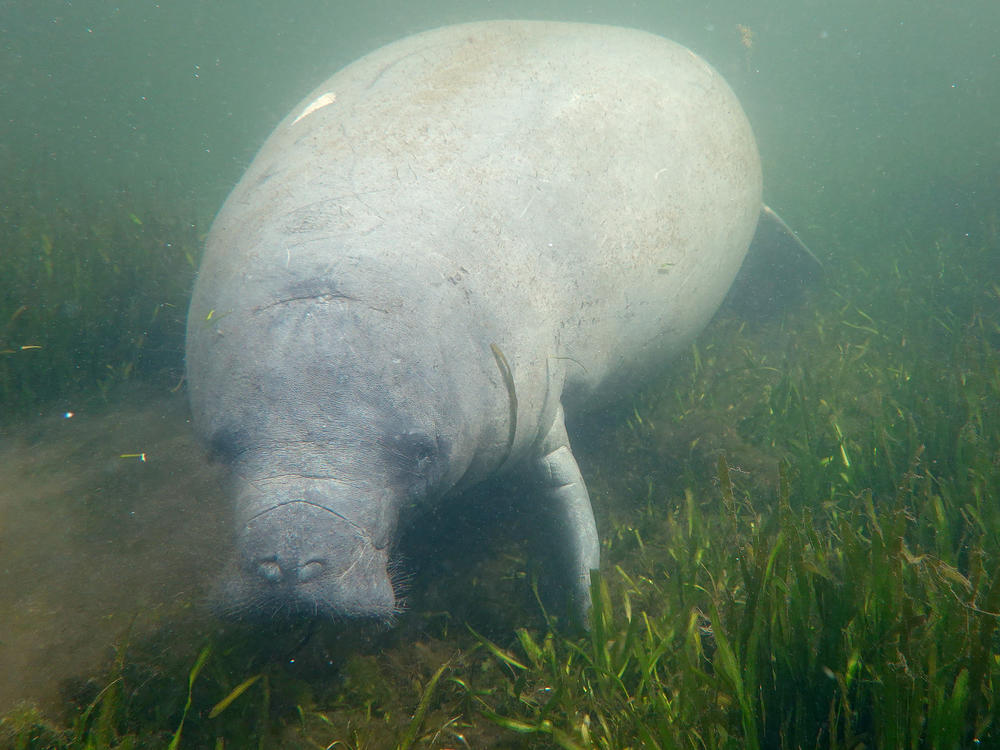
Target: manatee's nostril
x=270, y=571
x=310, y=570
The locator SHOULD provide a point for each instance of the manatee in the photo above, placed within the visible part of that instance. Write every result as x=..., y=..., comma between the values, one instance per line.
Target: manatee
x=445, y=248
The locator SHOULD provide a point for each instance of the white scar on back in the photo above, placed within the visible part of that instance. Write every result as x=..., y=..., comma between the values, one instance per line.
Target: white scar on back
x=322, y=101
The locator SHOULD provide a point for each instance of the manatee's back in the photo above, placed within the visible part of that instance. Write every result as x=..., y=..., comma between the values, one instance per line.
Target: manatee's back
x=596, y=186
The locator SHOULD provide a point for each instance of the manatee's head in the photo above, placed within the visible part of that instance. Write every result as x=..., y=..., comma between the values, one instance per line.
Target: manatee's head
x=320, y=479
x=314, y=537
x=336, y=416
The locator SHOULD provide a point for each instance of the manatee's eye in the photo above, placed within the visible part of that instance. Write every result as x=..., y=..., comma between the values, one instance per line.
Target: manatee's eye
x=227, y=443
x=419, y=448
x=421, y=459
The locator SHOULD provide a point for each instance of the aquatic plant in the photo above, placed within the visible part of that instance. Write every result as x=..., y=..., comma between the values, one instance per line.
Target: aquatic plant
x=90, y=297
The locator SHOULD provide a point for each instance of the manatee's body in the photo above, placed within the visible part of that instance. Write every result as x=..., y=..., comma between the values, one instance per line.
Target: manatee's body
x=444, y=245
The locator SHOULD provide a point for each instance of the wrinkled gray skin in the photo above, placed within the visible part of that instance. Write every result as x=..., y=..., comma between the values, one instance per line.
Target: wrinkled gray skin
x=567, y=201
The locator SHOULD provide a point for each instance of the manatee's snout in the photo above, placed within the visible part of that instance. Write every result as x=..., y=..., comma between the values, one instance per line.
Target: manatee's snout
x=301, y=558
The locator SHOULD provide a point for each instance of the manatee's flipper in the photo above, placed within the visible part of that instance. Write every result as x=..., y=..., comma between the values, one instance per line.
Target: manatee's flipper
x=572, y=516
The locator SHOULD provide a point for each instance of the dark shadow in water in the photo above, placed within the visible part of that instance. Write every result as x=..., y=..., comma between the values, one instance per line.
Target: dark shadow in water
x=776, y=274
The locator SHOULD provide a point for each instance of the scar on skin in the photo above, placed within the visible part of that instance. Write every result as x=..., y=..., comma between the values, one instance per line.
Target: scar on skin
x=322, y=101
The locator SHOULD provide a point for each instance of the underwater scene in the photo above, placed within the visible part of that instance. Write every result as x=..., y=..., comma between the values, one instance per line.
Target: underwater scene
x=798, y=513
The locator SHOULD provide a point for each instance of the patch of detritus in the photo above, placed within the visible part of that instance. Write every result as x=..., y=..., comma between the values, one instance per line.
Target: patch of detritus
x=110, y=522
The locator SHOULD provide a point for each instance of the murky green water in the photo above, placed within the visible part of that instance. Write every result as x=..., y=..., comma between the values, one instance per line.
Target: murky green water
x=123, y=126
